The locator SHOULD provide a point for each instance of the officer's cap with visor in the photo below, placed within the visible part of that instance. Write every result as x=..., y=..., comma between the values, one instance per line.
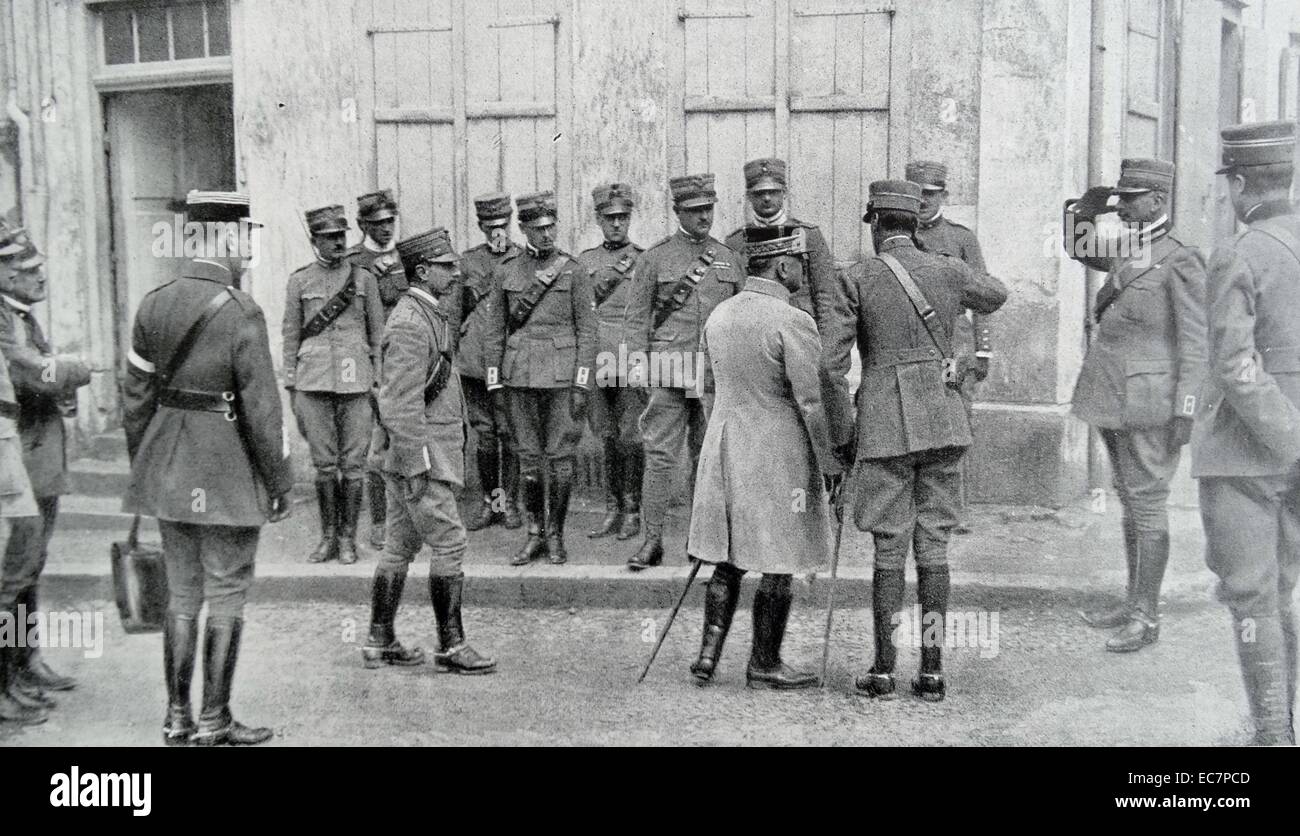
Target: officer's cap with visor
x=930, y=175
x=613, y=199
x=536, y=209
x=893, y=195
x=1139, y=176
x=218, y=207
x=17, y=252
x=1260, y=143
x=493, y=209
x=765, y=175
x=767, y=242
x=692, y=190
x=433, y=246
x=327, y=220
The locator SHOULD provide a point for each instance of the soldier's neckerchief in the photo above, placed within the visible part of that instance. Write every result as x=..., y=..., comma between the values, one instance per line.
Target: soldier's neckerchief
x=684, y=287
x=521, y=310
x=616, y=274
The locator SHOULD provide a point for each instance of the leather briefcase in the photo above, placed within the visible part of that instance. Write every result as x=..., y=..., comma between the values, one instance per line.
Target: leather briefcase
x=139, y=584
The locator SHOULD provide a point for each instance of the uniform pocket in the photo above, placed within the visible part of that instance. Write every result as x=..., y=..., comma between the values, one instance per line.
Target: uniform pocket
x=566, y=356
x=1148, y=392
x=312, y=302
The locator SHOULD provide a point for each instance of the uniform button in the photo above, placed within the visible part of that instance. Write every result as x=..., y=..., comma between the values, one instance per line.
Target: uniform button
x=932, y=352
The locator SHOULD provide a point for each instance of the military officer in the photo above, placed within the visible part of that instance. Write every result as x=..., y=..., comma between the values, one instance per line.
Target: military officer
x=377, y=217
x=333, y=324
x=1246, y=442
x=543, y=329
x=767, y=441
x=1140, y=378
x=679, y=282
x=209, y=459
x=911, y=429
x=765, y=193
x=617, y=406
x=45, y=385
x=424, y=461
x=480, y=380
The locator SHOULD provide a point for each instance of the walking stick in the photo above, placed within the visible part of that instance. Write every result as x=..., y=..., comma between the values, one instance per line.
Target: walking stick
x=663, y=635
x=830, y=592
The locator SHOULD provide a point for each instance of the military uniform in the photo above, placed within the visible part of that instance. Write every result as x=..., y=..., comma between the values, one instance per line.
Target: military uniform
x=543, y=329
x=1246, y=442
x=210, y=460
x=331, y=376
x=617, y=406
x=498, y=466
x=1143, y=371
x=912, y=428
x=680, y=281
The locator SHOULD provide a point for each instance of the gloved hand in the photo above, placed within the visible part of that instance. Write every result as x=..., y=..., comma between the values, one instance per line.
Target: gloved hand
x=281, y=508
x=980, y=369
x=1180, y=431
x=846, y=454
x=415, y=486
x=498, y=397
x=1094, y=202
x=578, y=404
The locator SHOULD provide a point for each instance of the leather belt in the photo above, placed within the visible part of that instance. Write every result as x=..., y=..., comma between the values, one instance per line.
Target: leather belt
x=9, y=410
x=194, y=401
x=903, y=357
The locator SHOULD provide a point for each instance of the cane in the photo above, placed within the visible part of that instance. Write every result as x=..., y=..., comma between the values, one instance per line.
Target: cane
x=838, y=511
x=663, y=635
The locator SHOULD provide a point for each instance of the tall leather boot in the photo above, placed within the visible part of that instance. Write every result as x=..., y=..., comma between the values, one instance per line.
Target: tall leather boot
x=32, y=670
x=613, y=487
x=378, y=510
x=353, y=489
x=932, y=586
x=561, y=490
x=721, y=595
x=887, y=587
x=217, y=726
x=771, y=613
x=654, y=512
x=1263, y=670
x=1117, y=615
x=1143, y=627
x=488, y=478
x=534, y=508
x=11, y=710
x=382, y=647
x=455, y=655
x=633, y=471
x=327, y=499
x=180, y=647
x=510, y=486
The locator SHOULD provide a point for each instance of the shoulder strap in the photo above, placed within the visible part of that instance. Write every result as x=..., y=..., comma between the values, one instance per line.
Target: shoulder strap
x=928, y=316
x=1283, y=237
x=440, y=374
x=684, y=287
x=543, y=280
x=187, y=342
x=335, y=307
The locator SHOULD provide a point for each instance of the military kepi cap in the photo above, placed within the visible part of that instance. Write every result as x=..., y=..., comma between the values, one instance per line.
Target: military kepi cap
x=1260, y=143
x=204, y=206
x=897, y=195
x=772, y=241
x=691, y=190
x=373, y=207
x=931, y=176
x=17, y=250
x=1140, y=175
x=493, y=209
x=613, y=199
x=434, y=245
x=536, y=206
x=763, y=175
x=326, y=220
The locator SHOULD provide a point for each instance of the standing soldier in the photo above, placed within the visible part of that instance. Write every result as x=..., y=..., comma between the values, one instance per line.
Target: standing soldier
x=209, y=459
x=498, y=466
x=45, y=386
x=681, y=280
x=377, y=253
x=333, y=324
x=424, y=461
x=1140, y=378
x=617, y=406
x=765, y=185
x=912, y=430
x=759, y=502
x=543, y=328
x=1246, y=447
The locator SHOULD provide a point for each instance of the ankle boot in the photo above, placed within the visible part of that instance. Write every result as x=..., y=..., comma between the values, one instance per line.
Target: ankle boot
x=10, y=709
x=561, y=490
x=217, y=726
x=771, y=613
x=721, y=595
x=887, y=587
x=382, y=647
x=1117, y=614
x=455, y=655
x=353, y=489
x=651, y=552
x=378, y=510
x=1143, y=627
x=1264, y=673
x=180, y=647
x=327, y=490
x=483, y=516
x=613, y=485
x=633, y=468
x=32, y=670
x=510, y=487
x=932, y=587
x=534, y=508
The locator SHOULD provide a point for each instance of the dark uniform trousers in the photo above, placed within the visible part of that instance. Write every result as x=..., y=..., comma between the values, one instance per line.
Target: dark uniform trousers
x=1143, y=463
x=910, y=500
x=674, y=421
x=27, y=550
x=208, y=562
x=337, y=428
x=616, y=413
x=489, y=427
x=542, y=427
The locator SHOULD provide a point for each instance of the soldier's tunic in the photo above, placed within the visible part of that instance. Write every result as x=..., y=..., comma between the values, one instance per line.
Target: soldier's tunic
x=331, y=374
x=616, y=407
x=475, y=314
x=1246, y=442
x=390, y=280
x=912, y=429
x=674, y=419
x=759, y=501
x=424, y=437
x=16, y=498
x=816, y=296
x=973, y=337
x=206, y=478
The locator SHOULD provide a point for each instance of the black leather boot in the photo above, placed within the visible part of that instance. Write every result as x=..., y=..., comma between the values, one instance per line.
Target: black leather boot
x=633, y=470
x=455, y=655
x=887, y=587
x=353, y=489
x=613, y=485
x=510, y=487
x=382, y=647
x=180, y=647
x=1117, y=614
x=378, y=510
x=488, y=477
x=32, y=670
x=721, y=595
x=651, y=552
x=1264, y=672
x=220, y=654
x=771, y=613
x=11, y=710
x=932, y=586
x=327, y=499
x=561, y=490
x=534, y=507
x=1143, y=626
